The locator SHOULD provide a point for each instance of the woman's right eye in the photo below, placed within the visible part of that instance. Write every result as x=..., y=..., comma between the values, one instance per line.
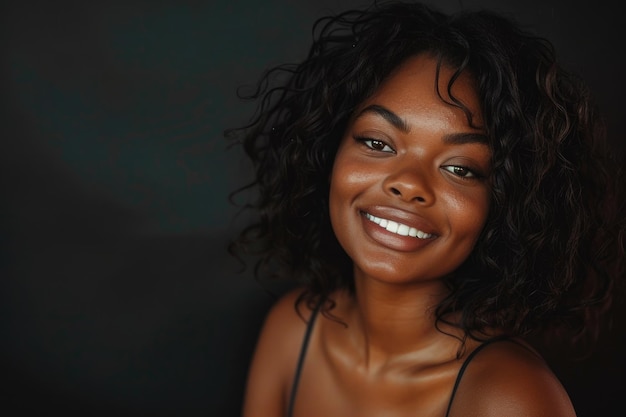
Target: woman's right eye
x=376, y=145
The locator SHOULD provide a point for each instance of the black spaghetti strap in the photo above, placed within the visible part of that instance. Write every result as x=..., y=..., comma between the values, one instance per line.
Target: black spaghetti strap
x=305, y=345
x=466, y=362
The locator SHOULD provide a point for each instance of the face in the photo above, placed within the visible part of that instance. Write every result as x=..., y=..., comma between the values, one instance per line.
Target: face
x=409, y=190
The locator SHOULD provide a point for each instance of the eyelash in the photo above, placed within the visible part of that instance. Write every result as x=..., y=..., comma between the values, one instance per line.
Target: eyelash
x=369, y=143
x=470, y=175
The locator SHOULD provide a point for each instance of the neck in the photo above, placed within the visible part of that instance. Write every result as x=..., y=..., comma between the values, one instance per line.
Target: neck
x=392, y=321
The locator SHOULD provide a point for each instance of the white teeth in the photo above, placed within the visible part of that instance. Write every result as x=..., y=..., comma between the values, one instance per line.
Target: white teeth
x=392, y=227
x=401, y=229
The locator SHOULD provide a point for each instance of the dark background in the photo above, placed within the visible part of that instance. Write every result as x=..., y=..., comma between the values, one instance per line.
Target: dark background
x=117, y=294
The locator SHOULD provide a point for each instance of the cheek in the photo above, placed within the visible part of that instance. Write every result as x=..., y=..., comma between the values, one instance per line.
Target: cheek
x=351, y=178
x=335, y=189
x=468, y=209
x=467, y=215
x=337, y=206
x=345, y=177
x=347, y=182
x=471, y=212
x=342, y=182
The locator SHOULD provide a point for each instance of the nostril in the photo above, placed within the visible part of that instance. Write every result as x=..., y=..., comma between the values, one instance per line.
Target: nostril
x=420, y=199
x=395, y=191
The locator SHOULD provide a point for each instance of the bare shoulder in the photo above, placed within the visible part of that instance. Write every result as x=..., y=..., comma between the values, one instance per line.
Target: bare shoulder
x=286, y=322
x=509, y=378
x=285, y=325
x=275, y=357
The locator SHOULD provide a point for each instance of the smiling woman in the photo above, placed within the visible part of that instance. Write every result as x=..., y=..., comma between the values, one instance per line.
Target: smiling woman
x=411, y=161
x=441, y=189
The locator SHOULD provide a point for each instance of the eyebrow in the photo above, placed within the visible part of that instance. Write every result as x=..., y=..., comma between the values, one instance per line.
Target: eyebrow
x=388, y=115
x=463, y=138
x=400, y=124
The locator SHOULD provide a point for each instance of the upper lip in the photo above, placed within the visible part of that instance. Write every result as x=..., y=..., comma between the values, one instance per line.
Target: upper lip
x=408, y=218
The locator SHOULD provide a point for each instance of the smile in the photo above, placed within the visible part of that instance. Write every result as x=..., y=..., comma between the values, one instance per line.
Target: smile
x=398, y=228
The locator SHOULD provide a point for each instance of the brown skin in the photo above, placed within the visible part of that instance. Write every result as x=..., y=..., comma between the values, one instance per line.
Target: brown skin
x=397, y=162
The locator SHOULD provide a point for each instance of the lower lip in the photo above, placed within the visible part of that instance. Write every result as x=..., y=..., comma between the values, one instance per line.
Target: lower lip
x=393, y=240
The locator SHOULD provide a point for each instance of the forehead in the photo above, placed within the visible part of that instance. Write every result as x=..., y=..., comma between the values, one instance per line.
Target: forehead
x=419, y=84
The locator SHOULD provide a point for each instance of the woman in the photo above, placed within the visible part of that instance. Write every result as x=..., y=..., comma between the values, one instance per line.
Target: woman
x=439, y=187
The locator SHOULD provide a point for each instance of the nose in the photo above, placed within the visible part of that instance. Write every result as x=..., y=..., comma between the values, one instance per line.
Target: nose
x=410, y=184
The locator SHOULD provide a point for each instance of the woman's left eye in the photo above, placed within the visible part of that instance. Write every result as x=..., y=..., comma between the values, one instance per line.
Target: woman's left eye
x=460, y=171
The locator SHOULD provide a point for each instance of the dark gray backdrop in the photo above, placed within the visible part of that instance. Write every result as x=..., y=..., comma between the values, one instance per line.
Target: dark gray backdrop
x=117, y=295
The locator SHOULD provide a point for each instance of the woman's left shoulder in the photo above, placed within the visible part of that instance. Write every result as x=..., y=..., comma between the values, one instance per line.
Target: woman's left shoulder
x=509, y=378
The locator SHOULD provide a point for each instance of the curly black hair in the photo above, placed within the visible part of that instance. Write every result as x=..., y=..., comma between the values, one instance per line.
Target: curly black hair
x=552, y=247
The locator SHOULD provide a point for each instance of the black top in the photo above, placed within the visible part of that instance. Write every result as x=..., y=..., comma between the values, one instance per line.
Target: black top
x=305, y=345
